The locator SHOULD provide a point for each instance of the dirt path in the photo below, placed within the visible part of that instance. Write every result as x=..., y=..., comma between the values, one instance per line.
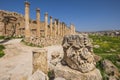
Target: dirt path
x=17, y=60
x=17, y=63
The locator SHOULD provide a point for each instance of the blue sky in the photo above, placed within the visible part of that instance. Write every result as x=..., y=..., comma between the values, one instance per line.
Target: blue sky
x=86, y=15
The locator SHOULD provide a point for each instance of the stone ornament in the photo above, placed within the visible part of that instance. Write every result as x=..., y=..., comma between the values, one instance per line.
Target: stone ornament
x=78, y=53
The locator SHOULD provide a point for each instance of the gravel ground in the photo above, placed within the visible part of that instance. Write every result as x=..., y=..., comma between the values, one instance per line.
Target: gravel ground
x=17, y=62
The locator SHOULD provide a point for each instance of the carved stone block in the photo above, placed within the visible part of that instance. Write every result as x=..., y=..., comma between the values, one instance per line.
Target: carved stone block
x=78, y=53
x=40, y=60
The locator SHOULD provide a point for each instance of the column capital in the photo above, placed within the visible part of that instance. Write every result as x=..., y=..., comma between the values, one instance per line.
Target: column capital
x=38, y=9
x=27, y=3
x=46, y=14
x=63, y=23
x=50, y=17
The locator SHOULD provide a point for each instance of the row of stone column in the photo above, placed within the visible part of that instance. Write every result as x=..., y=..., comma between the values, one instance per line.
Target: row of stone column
x=56, y=28
x=59, y=28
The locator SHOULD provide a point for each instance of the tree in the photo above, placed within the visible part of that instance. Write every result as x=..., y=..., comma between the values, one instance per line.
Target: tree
x=6, y=21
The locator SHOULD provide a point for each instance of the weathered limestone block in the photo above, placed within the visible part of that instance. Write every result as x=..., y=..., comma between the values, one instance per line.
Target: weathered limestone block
x=111, y=70
x=40, y=60
x=1, y=28
x=78, y=54
x=71, y=74
x=38, y=75
x=14, y=77
x=59, y=78
x=27, y=39
x=56, y=57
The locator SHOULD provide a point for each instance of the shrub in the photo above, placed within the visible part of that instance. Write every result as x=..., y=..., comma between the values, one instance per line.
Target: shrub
x=2, y=47
x=2, y=37
x=1, y=50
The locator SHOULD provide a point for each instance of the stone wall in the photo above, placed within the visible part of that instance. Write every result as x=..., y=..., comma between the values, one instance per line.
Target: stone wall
x=11, y=23
x=42, y=42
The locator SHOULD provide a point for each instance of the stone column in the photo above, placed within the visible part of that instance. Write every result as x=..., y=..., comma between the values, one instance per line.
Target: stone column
x=71, y=29
x=67, y=31
x=55, y=26
x=40, y=61
x=46, y=24
x=74, y=31
x=51, y=27
x=27, y=26
x=63, y=29
x=38, y=21
x=58, y=28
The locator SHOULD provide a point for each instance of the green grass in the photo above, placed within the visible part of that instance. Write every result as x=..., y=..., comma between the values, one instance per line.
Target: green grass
x=12, y=37
x=100, y=67
x=1, y=50
x=107, y=44
x=2, y=37
x=51, y=75
x=109, y=49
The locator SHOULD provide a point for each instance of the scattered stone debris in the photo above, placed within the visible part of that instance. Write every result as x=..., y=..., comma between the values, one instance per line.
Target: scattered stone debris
x=38, y=75
x=111, y=70
x=79, y=60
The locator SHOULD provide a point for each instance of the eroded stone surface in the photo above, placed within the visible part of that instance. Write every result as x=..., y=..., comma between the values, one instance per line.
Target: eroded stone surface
x=111, y=70
x=71, y=74
x=59, y=78
x=78, y=53
x=40, y=60
x=38, y=75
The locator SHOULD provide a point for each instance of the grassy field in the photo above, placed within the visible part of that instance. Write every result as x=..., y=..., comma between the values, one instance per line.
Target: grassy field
x=107, y=44
x=109, y=48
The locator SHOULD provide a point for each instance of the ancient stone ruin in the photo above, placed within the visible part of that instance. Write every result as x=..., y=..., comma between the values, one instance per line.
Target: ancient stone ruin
x=78, y=54
x=11, y=24
x=78, y=62
x=40, y=61
x=43, y=33
x=36, y=32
